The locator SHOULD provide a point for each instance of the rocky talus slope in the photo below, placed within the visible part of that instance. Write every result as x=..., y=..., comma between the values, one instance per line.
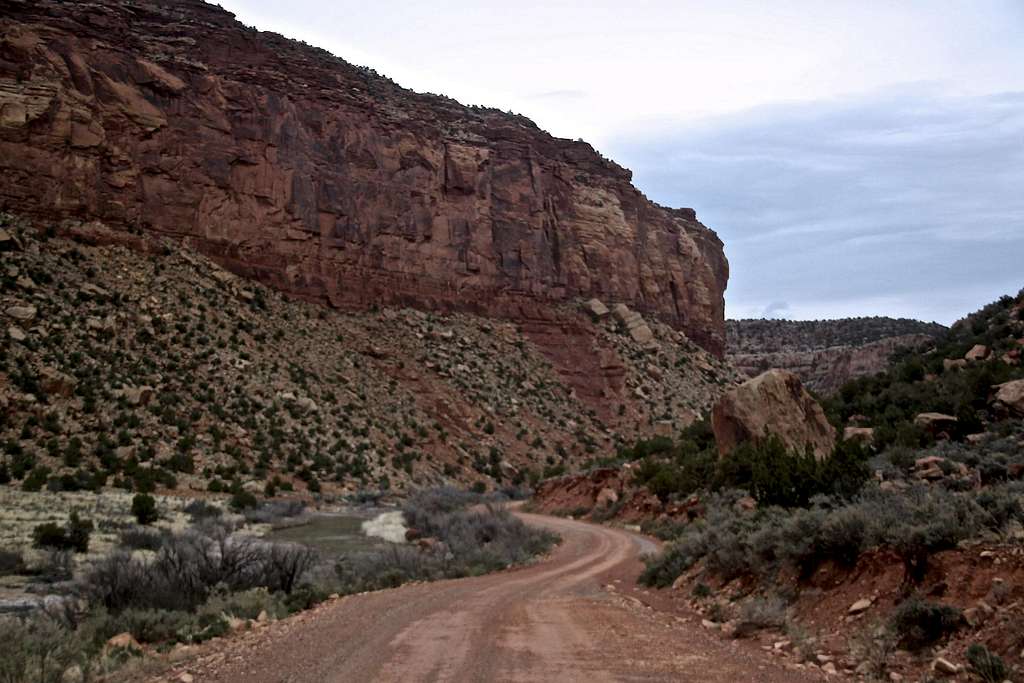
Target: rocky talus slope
x=132, y=360
x=825, y=354
x=323, y=179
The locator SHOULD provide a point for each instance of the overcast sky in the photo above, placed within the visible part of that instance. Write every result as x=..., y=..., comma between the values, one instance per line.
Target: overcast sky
x=857, y=158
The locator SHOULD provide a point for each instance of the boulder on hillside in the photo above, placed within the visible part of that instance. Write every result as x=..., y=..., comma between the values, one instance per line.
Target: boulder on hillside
x=935, y=423
x=55, y=383
x=774, y=402
x=635, y=325
x=1011, y=394
x=864, y=435
x=596, y=308
x=977, y=352
x=24, y=314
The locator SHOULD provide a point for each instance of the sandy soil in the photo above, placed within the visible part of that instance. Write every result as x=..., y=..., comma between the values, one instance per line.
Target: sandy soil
x=575, y=616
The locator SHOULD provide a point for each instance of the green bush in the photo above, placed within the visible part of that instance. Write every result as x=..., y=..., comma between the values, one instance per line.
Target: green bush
x=36, y=479
x=144, y=509
x=772, y=475
x=11, y=563
x=989, y=667
x=199, y=510
x=775, y=476
x=73, y=536
x=916, y=523
x=41, y=649
x=243, y=500
x=918, y=624
x=141, y=539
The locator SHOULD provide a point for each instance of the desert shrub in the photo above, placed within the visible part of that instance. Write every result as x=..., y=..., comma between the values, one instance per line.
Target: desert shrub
x=200, y=510
x=144, y=509
x=284, y=564
x=675, y=470
x=918, y=623
x=759, y=613
x=772, y=475
x=73, y=536
x=206, y=627
x=243, y=500
x=11, y=563
x=989, y=667
x=247, y=604
x=874, y=645
x=40, y=649
x=434, y=501
x=145, y=625
x=775, y=476
x=464, y=542
x=922, y=521
x=809, y=537
x=274, y=511
x=304, y=598
x=916, y=523
x=36, y=479
x=701, y=590
x=662, y=569
x=54, y=566
x=189, y=566
x=138, y=538
x=664, y=529
x=479, y=541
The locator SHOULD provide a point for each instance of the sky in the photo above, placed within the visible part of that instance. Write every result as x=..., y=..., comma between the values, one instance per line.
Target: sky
x=856, y=157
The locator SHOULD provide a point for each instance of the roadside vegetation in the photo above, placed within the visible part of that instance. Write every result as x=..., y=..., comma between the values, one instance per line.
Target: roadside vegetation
x=159, y=588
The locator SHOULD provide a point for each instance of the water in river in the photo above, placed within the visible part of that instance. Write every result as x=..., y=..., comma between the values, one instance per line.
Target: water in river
x=336, y=533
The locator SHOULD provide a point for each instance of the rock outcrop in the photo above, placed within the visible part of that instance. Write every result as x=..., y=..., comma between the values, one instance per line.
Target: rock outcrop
x=326, y=180
x=772, y=403
x=1011, y=394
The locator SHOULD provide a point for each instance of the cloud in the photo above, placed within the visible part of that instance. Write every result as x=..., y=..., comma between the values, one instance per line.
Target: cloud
x=775, y=309
x=902, y=203
x=559, y=95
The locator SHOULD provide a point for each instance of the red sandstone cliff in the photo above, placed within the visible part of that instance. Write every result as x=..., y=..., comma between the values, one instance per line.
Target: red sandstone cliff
x=324, y=179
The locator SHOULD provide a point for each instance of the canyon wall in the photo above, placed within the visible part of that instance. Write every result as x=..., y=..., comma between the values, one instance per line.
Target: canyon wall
x=326, y=180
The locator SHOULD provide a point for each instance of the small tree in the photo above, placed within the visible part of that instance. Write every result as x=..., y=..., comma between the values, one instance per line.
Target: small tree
x=74, y=536
x=243, y=500
x=144, y=509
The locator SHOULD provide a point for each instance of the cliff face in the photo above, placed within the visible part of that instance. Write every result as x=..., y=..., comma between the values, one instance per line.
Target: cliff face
x=324, y=179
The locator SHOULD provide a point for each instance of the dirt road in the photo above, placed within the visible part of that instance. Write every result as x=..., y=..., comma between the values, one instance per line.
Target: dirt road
x=568, y=618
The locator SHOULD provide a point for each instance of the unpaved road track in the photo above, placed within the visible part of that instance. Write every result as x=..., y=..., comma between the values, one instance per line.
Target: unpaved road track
x=562, y=619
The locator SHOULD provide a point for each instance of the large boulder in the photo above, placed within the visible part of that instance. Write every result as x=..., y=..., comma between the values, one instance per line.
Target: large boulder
x=1011, y=394
x=55, y=383
x=935, y=423
x=635, y=325
x=774, y=402
x=596, y=309
x=862, y=434
x=977, y=352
